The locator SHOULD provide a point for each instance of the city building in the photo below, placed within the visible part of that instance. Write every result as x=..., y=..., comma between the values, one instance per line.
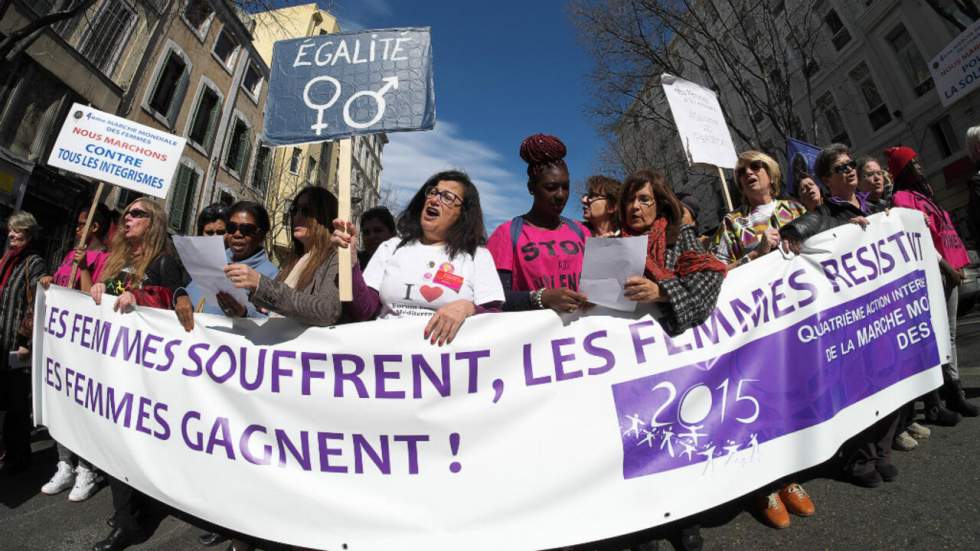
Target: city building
x=867, y=84
x=186, y=67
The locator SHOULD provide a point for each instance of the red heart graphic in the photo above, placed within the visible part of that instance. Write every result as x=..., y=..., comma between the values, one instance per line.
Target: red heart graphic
x=430, y=293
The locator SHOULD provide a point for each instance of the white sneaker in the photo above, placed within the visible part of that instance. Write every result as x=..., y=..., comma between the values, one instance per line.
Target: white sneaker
x=63, y=479
x=85, y=485
x=918, y=432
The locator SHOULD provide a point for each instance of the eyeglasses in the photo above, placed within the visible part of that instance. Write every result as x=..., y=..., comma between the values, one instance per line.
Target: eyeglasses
x=754, y=166
x=214, y=232
x=247, y=230
x=446, y=197
x=137, y=213
x=845, y=168
x=873, y=173
x=644, y=200
x=593, y=197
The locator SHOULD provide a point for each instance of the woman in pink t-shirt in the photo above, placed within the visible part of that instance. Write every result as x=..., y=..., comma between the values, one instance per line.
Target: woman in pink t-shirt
x=913, y=191
x=539, y=254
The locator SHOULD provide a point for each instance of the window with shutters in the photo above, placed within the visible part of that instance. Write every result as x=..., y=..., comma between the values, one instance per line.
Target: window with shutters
x=166, y=95
x=107, y=34
x=225, y=49
x=877, y=110
x=911, y=61
x=198, y=15
x=239, y=146
x=830, y=116
x=204, y=122
x=182, y=197
x=839, y=35
x=945, y=138
x=252, y=82
x=311, y=171
x=263, y=166
x=295, y=160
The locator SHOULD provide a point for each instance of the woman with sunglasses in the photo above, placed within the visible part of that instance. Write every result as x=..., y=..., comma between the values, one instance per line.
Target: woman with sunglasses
x=539, y=254
x=141, y=270
x=306, y=289
x=437, y=268
x=753, y=230
x=600, y=206
x=245, y=231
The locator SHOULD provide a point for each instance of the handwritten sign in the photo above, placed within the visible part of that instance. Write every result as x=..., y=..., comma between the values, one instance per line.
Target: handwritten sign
x=340, y=85
x=700, y=123
x=956, y=69
x=117, y=150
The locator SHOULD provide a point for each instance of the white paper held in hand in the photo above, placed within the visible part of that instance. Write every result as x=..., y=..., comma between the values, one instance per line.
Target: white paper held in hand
x=204, y=259
x=607, y=264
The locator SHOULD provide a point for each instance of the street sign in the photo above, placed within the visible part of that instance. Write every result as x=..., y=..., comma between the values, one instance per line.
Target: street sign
x=117, y=150
x=339, y=85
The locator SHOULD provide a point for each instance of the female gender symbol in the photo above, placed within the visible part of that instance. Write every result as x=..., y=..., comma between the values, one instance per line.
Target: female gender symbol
x=320, y=125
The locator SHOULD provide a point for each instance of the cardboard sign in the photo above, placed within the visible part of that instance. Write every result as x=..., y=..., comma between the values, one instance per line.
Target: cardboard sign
x=956, y=69
x=340, y=85
x=117, y=150
x=700, y=123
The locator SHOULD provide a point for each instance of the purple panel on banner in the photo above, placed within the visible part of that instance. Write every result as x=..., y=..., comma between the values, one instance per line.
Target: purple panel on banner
x=776, y=385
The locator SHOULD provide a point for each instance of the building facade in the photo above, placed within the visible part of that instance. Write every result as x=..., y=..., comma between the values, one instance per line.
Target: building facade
x=186, y=67
x=867, y=85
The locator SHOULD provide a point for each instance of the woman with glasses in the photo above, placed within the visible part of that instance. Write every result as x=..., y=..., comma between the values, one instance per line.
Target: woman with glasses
x=872, y=179
x=753, y=230
x=539, y=254
x=306, y=289
x=140, y=270
x=89, y=260
x=600, y=206
x=437, y=268
x=212, y=220
x=245, y=231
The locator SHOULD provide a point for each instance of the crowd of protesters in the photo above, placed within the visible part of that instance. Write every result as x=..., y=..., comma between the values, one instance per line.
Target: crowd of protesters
x=530, y=262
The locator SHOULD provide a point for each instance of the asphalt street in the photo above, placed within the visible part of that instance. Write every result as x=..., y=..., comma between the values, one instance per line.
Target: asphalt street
x=934, y=503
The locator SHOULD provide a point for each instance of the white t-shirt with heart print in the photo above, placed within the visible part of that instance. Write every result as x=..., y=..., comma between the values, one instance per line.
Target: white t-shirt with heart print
x=417, y=279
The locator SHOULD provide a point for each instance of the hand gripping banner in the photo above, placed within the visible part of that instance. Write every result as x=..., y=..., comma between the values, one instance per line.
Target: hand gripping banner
x=517, y=434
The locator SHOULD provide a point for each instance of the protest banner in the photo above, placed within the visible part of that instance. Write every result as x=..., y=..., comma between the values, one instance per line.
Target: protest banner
x=364, y=436
x=801, y=157
x=701, y=126
x=340, y=85
x=956, y=69
x=117, y=150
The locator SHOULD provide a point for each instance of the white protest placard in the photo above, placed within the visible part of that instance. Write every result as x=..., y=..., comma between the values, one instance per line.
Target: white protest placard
x=117, y=150
x=956, y=69
x=700, y=123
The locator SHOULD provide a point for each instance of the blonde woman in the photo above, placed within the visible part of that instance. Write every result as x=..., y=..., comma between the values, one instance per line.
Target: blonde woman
x=139, y=271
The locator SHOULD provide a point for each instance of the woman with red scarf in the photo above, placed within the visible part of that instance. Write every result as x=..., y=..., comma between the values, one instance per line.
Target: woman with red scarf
x=140, y=271
x=20, y=269
x=680, y=276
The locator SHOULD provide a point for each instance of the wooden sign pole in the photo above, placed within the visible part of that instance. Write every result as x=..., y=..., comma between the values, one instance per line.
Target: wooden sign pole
x=724, y=190
x=343, y=212
x=83, y=239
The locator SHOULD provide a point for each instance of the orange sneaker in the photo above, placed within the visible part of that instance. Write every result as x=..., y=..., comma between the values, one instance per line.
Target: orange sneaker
x=773, y=510
x=797, y=500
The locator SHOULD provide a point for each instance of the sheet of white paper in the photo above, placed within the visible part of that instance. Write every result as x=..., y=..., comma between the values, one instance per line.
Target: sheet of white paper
x=607, y=265
x=204, y=259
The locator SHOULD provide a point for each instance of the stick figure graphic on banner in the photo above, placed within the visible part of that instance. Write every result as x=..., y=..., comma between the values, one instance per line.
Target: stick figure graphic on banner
x=648, y=438
x=635, y=424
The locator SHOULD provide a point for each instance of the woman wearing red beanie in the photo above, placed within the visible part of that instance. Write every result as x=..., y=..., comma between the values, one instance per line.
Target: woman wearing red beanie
x=913, y=191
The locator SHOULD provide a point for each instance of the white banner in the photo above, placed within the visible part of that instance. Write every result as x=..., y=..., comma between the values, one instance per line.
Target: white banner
x=117, y=150
x=956, y=69
x=700, y=122
x=517, y=434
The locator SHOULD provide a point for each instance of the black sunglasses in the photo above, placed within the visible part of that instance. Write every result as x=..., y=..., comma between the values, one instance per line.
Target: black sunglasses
x=844, y=168
x=756, y=166
x=137, y=213
x=247, y=230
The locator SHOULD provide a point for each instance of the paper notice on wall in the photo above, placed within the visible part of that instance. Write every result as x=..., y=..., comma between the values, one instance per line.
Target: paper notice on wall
x=700, y=123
